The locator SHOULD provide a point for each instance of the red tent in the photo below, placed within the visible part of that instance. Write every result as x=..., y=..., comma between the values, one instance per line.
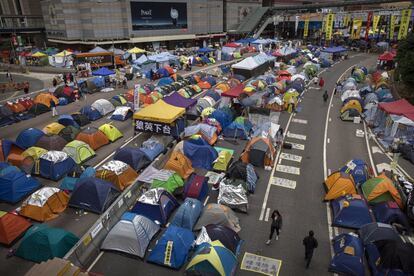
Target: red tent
x=11, y=227
x=387, y=56
x=234, y=92
x=401, y=107
x=232, y=45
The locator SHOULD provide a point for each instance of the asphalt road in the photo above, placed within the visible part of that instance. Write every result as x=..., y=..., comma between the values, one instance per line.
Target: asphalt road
x=35, y=85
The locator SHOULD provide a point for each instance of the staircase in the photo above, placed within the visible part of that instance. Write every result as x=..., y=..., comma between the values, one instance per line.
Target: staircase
x=260, y=28
x=249, y=24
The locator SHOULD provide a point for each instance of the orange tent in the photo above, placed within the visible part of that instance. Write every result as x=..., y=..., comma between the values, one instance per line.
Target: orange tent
x=12, y=226
x=204, y=85
x=223, y=87
x=339, y=184
x=179, y=163
x=16, y=107
x=169, y=69
x=120, y=174
x=93, y=137
x=45, y=204
x=259, y=152
x=45, y=98
x=381, y=189
x=13, y=149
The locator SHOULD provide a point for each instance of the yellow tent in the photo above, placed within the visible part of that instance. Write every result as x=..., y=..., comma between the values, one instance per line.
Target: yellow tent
x=39, y=55
x=136, y=50
x=160, y=112
x=63, y=54
x=53, y=128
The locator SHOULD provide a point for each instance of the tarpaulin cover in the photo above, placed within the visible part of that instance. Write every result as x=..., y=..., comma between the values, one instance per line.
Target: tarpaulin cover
x=234, y=92
x=232, y=196
x=177, y=100
x=400, y=107
x=103, y=72
x=160, y=112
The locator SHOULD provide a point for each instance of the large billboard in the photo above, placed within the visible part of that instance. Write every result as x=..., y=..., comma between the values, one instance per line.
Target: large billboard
x=158, y=15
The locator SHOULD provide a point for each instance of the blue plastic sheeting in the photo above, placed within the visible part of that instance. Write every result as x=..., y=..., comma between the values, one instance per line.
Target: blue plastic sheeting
x=187, y=214
x=205, y=50
x=16, y=185
x=333, y=50
x=29, y=137
x=103, y=71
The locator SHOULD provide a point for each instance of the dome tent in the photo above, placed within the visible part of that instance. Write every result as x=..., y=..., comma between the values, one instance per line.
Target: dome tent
x=120, y=174
x=187, y=214
x=12, y=226
x=111, y=132
x=55, y=164
x=29, y=137
x=93, y=137
x=79, y=151
x=16, y=185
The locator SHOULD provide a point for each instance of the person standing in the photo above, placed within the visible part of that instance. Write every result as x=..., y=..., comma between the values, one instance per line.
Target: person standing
x=26, y=87
x=291, y=105
x=275, y=226
x=325, y=96
x=321, y=83
x=53, y=107
x=310, y=244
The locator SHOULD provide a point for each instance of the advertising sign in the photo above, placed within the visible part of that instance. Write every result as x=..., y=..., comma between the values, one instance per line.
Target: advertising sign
x=306, y=27
x=158, y=15
x=95, y=59
x=375, y=23
x=329, y=26
x=405, y=20
x=392, y=25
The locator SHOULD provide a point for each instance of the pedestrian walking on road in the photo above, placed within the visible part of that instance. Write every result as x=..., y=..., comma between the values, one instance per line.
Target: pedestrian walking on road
x=321, y=83
x=325, y=96
x=310, y=244
x=275, y=226
x=53, y=107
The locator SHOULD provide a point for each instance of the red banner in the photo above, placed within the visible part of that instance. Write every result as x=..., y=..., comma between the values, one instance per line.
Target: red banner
x=369, y=19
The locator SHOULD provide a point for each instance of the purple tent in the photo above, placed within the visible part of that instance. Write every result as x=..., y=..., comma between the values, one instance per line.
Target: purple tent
x=179, y=101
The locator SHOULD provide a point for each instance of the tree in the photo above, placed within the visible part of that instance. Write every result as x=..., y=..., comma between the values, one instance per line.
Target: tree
x=405, y=60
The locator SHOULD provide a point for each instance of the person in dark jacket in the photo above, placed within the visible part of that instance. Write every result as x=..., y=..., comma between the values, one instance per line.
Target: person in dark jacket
x=310, y=244
x=325, y=96
x=53, y=107
x=275, y=226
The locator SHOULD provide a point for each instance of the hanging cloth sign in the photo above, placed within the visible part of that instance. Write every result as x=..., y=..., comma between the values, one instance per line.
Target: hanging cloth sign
x=356, y=28
x=329, y=26
x=392, y=26
x=405, y=21
x=375, y=23
x=306, y=27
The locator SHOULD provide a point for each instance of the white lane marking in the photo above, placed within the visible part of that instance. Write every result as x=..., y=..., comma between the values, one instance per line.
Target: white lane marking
x=283, y=182
x=359, y=133
x=291, y=157
x=296, y=136
x=267, y=214
x=288, y=169
x=383, y=167
x=371, y=160
x=329, y=140
x=297, y=146
x=376, y=149
x=205, y=201
x=331, y=230
x=329, y=172
x=95, y=261
x=299, y=121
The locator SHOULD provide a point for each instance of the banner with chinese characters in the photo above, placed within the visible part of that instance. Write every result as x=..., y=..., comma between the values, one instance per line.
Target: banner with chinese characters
x=346, y=20
x=329, y=26
x=392, y=26
x=323, y=23
x=154, y=127
x=356, y=28
x=306, y=26
x=375, y=23
x=405, y=21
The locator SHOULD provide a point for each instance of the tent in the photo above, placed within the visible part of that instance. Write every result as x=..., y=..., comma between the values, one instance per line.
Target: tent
x=6, y=116
x=380, y=189
x=377, y=231
x=78, y=172
x=53, y=129
x=352, y=104
x=208, y=132
x=67, y=120
x=12, y=226
x=196, y=186
x=111, y=132
x=91, y=113
x=80, y=119
x=350, y=211
x=173, y=247
x=45, y=99
x=245, y=172
x=234, y=92
x=259, y=152
x=69, y=133
x=179, y=163
x=93, y=194
x=103, y=106
x=152, y=148
x=396, y=255
x=79, y=151
x=240, y=128
x=131, y=235
x=350, y=114
x=348, y=255
x=358, y=169
x=42, y=242
x=8, y=147
x=212, y=258
x=389, y=212
x=44, y=204
x=201, y=154
x=35, y=153
x=29, y=137
x=136, y=50
x=156, y=204
x=134, y=157
x=187, y=214
x=338, y=184
x=103, y=72
x=225, y=235
x=218, y=214
x=120, y=174
x=232, y=193
x=173, y=184
x=121, y=113
x=93, y=137
x=55, y=164
x=160, y=112
x=175, y=99
x=53, y=142
x=38, y=108
x=16, y=185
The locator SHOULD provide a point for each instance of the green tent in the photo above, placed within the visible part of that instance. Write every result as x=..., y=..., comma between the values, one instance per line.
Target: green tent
x=41, y=243
x=223, y=159
x=111, y=132
x=368, y=188
x=174, y=182
x=79, y=151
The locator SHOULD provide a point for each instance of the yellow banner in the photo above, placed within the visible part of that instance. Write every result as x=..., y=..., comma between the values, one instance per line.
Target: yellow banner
x=346, y=20
x=324, y=23
x=405, y=21
x=356, y=28
x=392, y=26
x=329, y=26
x=306, y=27
x=375, y=23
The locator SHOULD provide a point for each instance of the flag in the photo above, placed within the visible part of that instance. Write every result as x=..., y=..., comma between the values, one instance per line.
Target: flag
x=306, y=27
x=329, y=26
x=392, y=26
x=356, y=28
x=375, y=23
x=405, y=20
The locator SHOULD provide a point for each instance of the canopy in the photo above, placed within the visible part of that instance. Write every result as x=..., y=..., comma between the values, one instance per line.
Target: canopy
x=136, y=50
x=98, y=49
x=205, y=50
x=63, y=54
x=177, y=100
x=248, y=64
x=39, y=55
x=103, y=71
x=400, y=107
x=232, y=45
x=387, y=56
x=334, y=50
x=160, y=112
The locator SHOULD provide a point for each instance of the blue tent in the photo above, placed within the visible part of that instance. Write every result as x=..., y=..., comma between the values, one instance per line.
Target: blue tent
x=211, y=80
x=201, y=154
x=93, y=194
x=172, y=248
x=152, y=148
x=67, y=120
x=334, y=50
x=156, y=204
x=389, y=212
x=196, y=186
x=133, y=157
x=205, y=50
x=373, y=257
x=29, y=137
x=90, y=112
x=348, y=255
x=350, y=211
x=187, y=214
x=103, y=71
x=224, y=116
x=225, y=235
x=16, y=185
x=55, y=165
x=162, y=72
x=358, y=169
x=239, y=129
x=205, y=59
x=165, y=81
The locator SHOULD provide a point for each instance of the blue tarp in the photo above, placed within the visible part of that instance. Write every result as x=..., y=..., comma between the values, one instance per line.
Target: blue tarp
x=223, y=115
x=334, y=50
x=182, y=241
x=29, y=137
x=205, y=50
x=133, y=157
x=344, y=263
x=355, y=215
x=103, y=72
x=359, y=172
x=16, y=185
x=187, y=214
x=201, y=154
x=93, y=194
